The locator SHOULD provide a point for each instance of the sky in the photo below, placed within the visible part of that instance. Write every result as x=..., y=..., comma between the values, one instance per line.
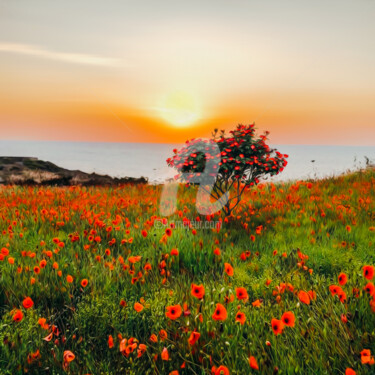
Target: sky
x=167, y=70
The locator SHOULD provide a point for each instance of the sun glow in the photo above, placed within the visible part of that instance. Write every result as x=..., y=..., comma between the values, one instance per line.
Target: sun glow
x=179, y=109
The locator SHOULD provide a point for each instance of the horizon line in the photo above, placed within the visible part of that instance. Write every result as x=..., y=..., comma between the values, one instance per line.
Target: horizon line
x=177, y=143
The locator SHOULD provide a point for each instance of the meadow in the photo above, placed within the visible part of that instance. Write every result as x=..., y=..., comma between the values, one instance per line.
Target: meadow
x=92, y=282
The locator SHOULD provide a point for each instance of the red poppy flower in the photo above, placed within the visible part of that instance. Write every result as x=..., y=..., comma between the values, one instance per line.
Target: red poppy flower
x=17, y=316
x=368, y=272
x=173, y=312
x=228, y=269
x=366, y=353
x=163, y=335
x=153, y=338
x=42, y=323
x=49, y=337
x=197, y=291
x=134, y=259
x=240, y=317
x=277, y=326
x=174, y=252
x=27, y=303
x=304, y=297
x=84, y=283
x=241, y=293
x=257, y=303
x=194, y=337
x=110, y=342
x=366, y=357
x=342, y=296
x=138, y=307
x=370, y=289
x=130, y=348
x=68, y=356
x=5, y=251
x=288, y=319
x=141, y=350
x=253, y=363
x=334, y=289
x=165, y=354
x=342, y=278
x=220, y=312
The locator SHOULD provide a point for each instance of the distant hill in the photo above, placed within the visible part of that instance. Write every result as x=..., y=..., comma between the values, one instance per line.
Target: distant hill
x=32, y=171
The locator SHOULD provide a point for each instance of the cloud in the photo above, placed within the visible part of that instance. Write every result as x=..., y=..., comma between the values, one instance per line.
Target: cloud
x=73, y=58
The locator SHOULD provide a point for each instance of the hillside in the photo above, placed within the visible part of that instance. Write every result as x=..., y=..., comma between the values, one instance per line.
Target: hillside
x=94, y=281
x=32, y=171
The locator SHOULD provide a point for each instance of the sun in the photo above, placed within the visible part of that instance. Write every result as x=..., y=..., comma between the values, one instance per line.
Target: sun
x=179, y=109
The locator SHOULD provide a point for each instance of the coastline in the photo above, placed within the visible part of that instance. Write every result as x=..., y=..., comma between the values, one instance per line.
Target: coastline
x=30, y=171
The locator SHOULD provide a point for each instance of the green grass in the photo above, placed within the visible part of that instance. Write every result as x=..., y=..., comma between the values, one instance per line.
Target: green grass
x=293, y=217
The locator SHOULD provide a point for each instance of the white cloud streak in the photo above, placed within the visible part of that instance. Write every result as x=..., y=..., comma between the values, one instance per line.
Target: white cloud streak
x=73, y=58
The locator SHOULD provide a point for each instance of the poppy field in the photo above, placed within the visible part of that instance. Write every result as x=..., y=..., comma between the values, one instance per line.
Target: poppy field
x=93, y=281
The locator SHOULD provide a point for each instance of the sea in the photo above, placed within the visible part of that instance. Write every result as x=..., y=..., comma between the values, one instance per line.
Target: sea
x=149, y=159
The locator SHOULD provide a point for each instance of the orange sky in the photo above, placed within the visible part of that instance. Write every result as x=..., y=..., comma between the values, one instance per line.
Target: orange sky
x=167, y=71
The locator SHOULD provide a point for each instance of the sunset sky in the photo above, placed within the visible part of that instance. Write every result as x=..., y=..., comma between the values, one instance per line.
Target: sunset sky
x=165, y=71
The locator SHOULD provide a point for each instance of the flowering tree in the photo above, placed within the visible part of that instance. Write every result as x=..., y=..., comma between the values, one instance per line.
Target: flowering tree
x=243, y=160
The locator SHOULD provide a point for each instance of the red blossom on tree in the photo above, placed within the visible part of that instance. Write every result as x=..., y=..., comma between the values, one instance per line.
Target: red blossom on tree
x=245, y=159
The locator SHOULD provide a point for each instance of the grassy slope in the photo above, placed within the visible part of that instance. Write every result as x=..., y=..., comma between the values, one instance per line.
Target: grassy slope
x=293, y=216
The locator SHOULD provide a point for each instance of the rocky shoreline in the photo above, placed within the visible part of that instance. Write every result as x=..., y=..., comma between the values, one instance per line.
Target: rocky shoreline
x=34, y=172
